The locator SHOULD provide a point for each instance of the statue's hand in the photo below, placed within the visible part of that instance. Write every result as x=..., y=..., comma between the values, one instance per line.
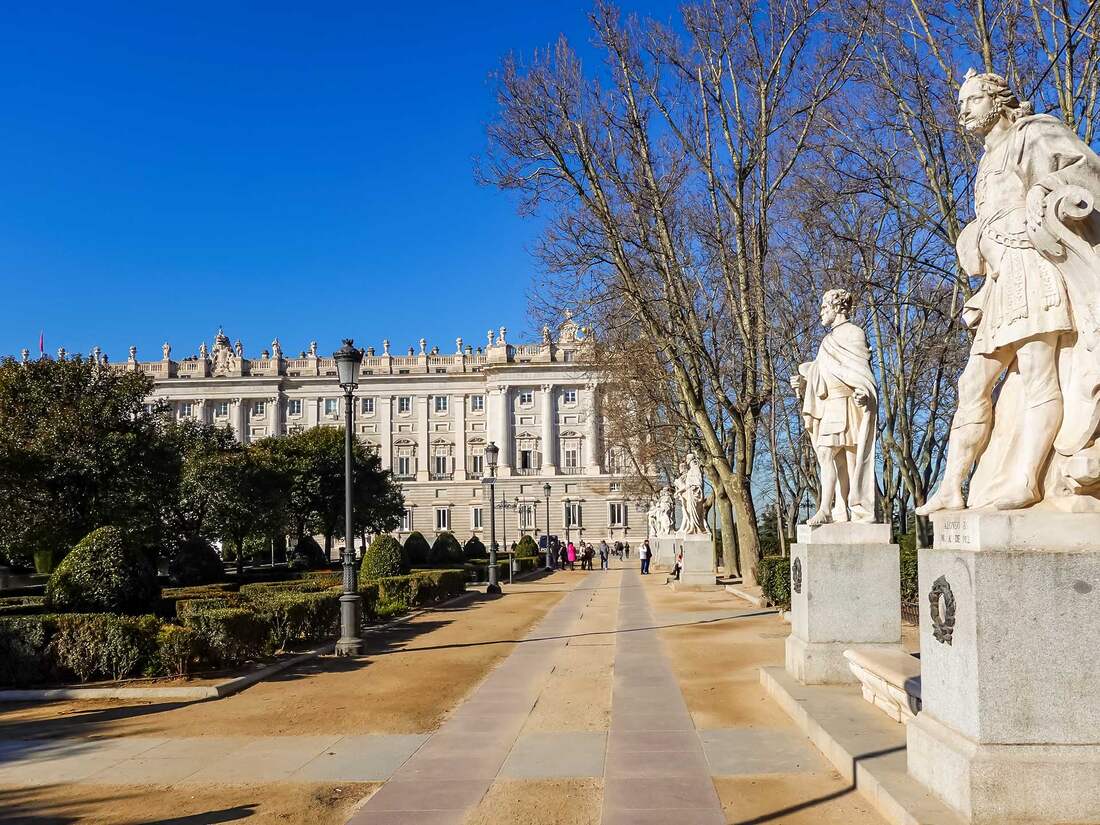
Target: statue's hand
x=860, y=397
x=798, y=383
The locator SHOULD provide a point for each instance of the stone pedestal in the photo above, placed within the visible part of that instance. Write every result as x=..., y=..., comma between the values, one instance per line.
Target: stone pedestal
x=664, y=552
x=845, y=591
x=698, y=571
x=1010, y=666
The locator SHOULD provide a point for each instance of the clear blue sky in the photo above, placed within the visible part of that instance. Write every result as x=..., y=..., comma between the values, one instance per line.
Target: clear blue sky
x=293, y=169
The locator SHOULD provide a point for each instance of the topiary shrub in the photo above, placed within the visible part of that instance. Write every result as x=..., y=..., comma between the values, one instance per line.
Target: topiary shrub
x=194, y=562
x=445, y=550
x=774, y=576
x=228, y=635
x=526, y=547
x=308, y=555
x=292, y=616
x=177, y=649
x=474, y=549
x=383, y=558
x=24, y=649
x=416, y=549
x=104, y=573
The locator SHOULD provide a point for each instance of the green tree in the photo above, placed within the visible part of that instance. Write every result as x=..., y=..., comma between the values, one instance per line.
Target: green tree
x=185, y=501
x=313, y=462
x=78, y=450
x=245, y=496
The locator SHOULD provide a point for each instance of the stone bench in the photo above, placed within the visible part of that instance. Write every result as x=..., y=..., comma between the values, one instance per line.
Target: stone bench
x=890, y=680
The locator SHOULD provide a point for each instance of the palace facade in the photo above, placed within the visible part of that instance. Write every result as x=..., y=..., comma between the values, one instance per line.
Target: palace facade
x=429, y=416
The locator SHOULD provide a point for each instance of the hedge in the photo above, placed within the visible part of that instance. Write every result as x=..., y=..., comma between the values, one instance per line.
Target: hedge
x=421, y=587
x=910, y=590
x=104, y=573
x=24, y=649
x=177, y=649
x=526, y=547
x=774, y=575
x=194, y=562
x=22, y=605
x=296, y=616
x=311, y=585
x=106, y=645
x=384, y=557
x=229, y=635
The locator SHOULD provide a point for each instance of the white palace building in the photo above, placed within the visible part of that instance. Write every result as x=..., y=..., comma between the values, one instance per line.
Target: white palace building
x=429, y=416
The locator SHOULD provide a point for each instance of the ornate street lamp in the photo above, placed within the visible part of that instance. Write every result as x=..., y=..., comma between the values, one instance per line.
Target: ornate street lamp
x=491, y=453
x=348, y=359
x=546, y=492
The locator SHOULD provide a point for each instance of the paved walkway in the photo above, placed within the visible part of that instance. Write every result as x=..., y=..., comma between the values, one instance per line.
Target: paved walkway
x=589, y=692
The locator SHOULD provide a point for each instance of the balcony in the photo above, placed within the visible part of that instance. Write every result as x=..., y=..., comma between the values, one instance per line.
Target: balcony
x=474, y=476
x=404, y=476
x=528, y=471
x=441, y=476
x=571, y=471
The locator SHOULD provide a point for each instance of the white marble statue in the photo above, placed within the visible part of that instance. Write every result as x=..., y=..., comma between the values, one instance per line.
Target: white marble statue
x=276, y=349
x=840, y=408
x=653, y=517
x=222, y=355
x=166, y=350
x=666, y=512
x=1036, y=317
x=689, y=491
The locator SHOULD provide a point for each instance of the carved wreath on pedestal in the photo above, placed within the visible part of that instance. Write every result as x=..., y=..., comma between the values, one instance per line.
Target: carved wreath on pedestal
x=796, y=575
x=943, y=622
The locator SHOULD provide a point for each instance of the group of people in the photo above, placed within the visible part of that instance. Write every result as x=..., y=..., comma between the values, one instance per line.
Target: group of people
x=567, y=554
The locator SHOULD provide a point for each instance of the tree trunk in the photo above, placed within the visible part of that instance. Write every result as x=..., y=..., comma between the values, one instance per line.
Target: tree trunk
x=748, y=543
x=730, y=558
x=240, y=560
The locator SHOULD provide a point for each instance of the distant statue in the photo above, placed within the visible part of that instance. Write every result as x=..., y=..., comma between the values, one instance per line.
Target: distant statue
x=166, y=350
x=500, y=339
x=60, y=353
x=458, y=346
x=203, y=351
x=25, y=355
x=1036, y=318
x=666, y=512
x=386, y=346
x=491, y=336
x=545, y=334
x=423, y=344
x=222, y=356
x=840, y=412
x=276, y=350
x=312, y=349
x=238, y=348
x=96, y=352
x=133, y=354
x=653, y=517
x=688, y=488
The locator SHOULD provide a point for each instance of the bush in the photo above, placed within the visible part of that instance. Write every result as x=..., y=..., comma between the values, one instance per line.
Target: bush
x=383, y=558
x=308, y=555
x=177, y=649
x=910, y=590
x=22, y=605
x=24, y=649
x=312, y=585
x=473, y=548
x=228, y=635
x=104, y=573
x=369, y=594
x=195, y=561
x=44, y=562
x=445, y=550
x=416, y=549
x=774, y=575
x=527, y=547
x=293, y=616
x=106, y=645
x=446, y=584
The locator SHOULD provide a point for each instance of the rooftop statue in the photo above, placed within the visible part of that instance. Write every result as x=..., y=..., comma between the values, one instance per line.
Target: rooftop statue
x=1035, y=317
x=276, y=349
x=840, y=409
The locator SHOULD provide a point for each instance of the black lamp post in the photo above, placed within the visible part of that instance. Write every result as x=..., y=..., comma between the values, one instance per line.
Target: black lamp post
x=546, y=492
x=491, y=453
x=348, y=359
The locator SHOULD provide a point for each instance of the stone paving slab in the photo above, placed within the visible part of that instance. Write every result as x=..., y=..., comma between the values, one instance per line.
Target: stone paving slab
x=360, y=759
x=264, y=759
x=735, y=751
x=554, y=755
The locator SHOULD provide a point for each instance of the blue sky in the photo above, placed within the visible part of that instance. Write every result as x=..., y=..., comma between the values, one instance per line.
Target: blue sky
x=291, y=169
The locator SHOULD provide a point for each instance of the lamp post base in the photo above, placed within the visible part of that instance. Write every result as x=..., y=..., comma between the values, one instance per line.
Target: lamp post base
x=493, y=588
x=349, y=643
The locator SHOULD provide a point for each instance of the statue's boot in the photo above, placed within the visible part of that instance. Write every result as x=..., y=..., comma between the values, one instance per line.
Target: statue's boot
x=947, y=497
x=820, y=517
x=1041, y=425
x=962, y=449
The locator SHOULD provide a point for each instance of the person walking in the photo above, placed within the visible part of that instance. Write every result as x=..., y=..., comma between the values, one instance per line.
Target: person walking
x=571, y=555
x=643, y=556
x=605, y=554
x=619, y=549
x=626, y=549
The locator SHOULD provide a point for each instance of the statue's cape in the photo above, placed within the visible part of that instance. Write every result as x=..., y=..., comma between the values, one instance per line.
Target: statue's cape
x=845, y=357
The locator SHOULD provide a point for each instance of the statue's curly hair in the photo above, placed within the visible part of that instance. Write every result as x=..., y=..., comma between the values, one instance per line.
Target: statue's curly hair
x=997, y=87
x=840, y=299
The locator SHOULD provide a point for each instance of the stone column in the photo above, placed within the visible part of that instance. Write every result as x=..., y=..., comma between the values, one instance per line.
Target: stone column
x=1010, y=661
x=507, y=438
x=235, y=418
x=593, y=450
x=311, y=411
x=385, y=430
x=201, y=411
x=845, y=591
x=274, y=416
x=424, y=439
x=549, y=431
x=460, y=436
x=245, y=417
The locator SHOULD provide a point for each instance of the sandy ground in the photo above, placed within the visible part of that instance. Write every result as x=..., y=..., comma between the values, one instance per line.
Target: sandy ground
x=407, y=681
x=285, y=804
x=540, y=802
x=717, y=661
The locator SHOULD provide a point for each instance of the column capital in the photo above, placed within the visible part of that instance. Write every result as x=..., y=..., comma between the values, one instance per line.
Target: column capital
x=547, y=387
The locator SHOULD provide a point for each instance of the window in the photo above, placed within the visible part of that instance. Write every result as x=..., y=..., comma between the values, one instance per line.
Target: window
x=294, y=406
x=366, y=406
x=572, y=514
x=526, y=397
x=407, y=520
x=441, y=370
x=185, y=409
x=475, y=518
x=442, y=518
x=527, y=517
x=527, y=459
x=402, y=372
x=569, y=397
x=567, y=356
x=259, y=407
x=616, y=514
x=477, y=464
x=442, y=464
x=332, y=406
x=404, y=404
x=477, y=403
x=221, y=409
x=441, y=403
x=572, y=455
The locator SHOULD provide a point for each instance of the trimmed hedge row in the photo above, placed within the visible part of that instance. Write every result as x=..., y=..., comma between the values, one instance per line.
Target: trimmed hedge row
x=774, y=576
x=421, y=587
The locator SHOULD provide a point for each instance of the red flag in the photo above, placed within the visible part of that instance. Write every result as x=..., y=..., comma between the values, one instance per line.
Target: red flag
x=41, y=343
